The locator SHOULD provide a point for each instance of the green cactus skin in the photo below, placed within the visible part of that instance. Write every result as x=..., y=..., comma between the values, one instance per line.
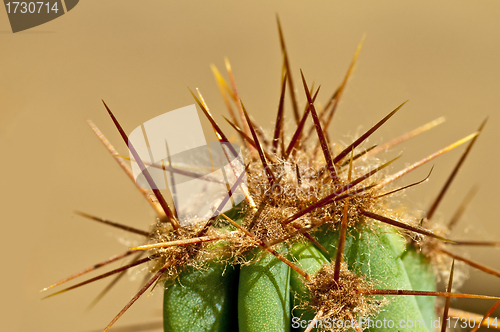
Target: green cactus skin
x=375, y=255
x=267, y=288
x=421, y=275
x=202, y=300
x=309, y=259
x=264, y=295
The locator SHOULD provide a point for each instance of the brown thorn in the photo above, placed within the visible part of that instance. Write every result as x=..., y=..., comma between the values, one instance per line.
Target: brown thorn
x=272, y=251
x=321, y=134
x=143, y=289
x=315, y=242
x=126, y=168
x=236, y=97
x=224, y=90
x=456, y=217
x=369, y=174
x=172, y=180
x=301, y=139
x=343, y=230
x=222, y=204
x=331, y=100
x=447, y=301
x=92, y=268
x=372, y=172
x=349, y=194
x=471, y=263
x=335, y=98
x=104, y=275
x=248, y=139
x=407, y=136
x=228, y=187
x=223, y=82
x=487, y=316
x=282, y=144
x=336, y=195
x=279, y=117
x=290, y=80
x=395, y=223
x=182, y=242
x=314, y=321
x=270, y=176
x=303, y=231
x=297, y=172
x=300, y=231
x=137, y=327
x=176, y=170
x=350, y=70
x=260, y=133
x=261, y=208
x=114, y=224
x=424, y=160
x=424, y=293
x=405, y=187
x=298, y=131
x=220, y=134
x=325, y=201
x=363, y=137
x=145, y=172
x=341, y=246
x=459, y=164
x=322, y=113
x=478, y=243
x=111, y=284
x=359, y=155
x=223, y=139
x=354, y=323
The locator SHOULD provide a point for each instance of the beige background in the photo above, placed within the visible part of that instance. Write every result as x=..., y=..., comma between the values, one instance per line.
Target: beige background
x=140, y=57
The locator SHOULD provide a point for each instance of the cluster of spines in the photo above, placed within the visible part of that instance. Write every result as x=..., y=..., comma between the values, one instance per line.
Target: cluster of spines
x=186, y=243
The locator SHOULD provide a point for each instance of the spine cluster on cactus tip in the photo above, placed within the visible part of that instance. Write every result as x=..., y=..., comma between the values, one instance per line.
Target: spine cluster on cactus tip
x=313, y=239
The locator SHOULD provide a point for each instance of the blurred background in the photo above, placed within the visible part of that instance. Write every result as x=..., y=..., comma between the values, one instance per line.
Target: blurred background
x=141, y=56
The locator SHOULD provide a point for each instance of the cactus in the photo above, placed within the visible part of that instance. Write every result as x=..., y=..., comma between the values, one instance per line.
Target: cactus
x=317, y=243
